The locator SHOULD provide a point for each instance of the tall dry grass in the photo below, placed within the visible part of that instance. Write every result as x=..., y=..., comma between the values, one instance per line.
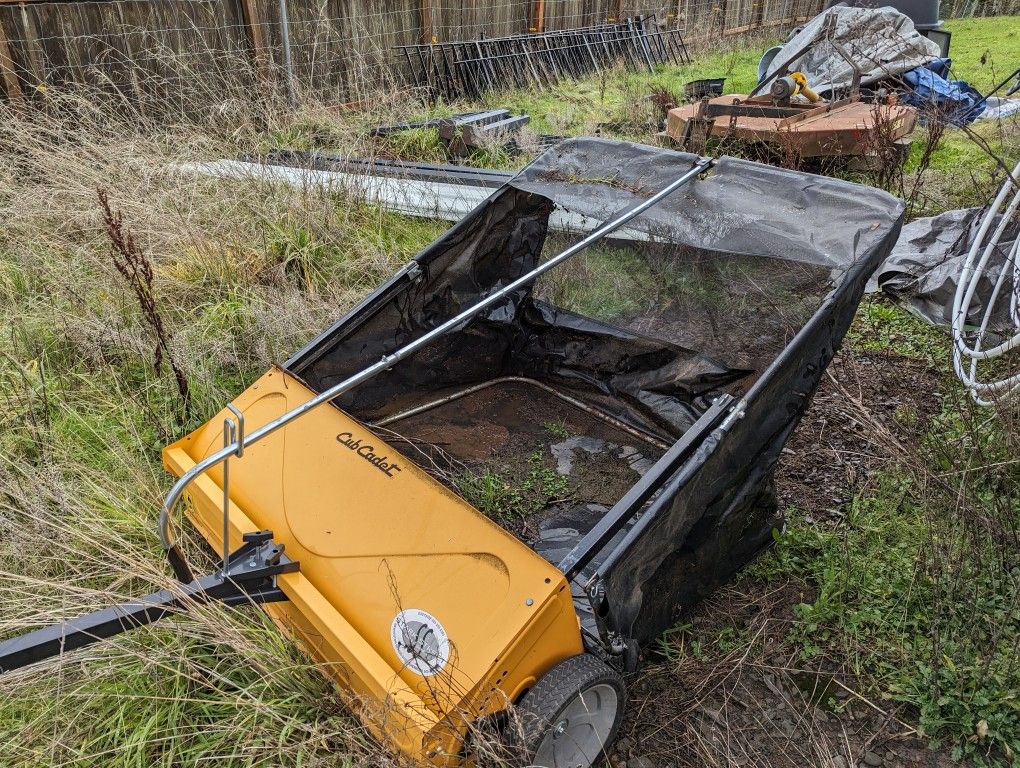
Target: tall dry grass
x=243, y=273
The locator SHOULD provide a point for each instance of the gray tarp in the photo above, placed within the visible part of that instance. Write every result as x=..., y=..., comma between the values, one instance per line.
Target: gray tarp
x=742, y=208
x=922, y=271
x=881, y=41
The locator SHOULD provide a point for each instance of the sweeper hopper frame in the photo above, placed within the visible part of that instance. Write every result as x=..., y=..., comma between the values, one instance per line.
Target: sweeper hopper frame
x=430, y=617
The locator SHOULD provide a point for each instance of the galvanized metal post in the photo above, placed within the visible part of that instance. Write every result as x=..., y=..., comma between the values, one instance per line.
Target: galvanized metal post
x=229, y=436
x=288, y=62
x=233, y=437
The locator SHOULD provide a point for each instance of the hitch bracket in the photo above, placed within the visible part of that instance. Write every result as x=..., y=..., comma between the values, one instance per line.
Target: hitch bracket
x=247, y=577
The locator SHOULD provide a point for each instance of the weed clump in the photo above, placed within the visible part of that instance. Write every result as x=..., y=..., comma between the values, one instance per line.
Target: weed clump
x=136, y=268
x=918, y=587
x=510, y=495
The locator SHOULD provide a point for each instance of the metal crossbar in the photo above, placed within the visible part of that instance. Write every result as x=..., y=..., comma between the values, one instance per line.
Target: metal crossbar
x=243, y=440
x=236, y=447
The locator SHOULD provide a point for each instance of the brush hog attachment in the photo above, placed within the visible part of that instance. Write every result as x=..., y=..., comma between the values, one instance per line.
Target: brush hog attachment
x=624, y=338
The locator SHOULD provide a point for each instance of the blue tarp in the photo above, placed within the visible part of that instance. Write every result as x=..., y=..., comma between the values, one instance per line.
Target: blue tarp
x=955, y=100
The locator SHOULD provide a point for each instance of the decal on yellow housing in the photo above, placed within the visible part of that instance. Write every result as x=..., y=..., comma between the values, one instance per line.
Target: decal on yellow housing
x=420, y=641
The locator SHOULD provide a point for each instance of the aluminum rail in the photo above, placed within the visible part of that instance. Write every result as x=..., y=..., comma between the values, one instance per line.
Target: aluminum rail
x=388, y=361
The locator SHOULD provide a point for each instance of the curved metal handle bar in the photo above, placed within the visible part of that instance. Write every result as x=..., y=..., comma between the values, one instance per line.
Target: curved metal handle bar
x=388, y=361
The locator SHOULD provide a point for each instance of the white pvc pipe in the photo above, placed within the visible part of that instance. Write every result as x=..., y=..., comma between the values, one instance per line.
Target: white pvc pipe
x=968, y=356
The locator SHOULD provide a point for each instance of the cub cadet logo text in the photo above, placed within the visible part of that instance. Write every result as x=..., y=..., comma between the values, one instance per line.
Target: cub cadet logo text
x=367, y=452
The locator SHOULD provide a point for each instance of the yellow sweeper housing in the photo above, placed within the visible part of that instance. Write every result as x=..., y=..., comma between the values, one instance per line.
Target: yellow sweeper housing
x=427, y=613
x=379, y=543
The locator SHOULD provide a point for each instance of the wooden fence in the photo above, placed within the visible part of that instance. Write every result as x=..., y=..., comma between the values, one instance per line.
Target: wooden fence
x=176, y=53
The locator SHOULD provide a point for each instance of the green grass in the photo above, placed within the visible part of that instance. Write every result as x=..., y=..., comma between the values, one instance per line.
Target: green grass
x=984, y=50
x=943, y=644
x=419, y=143
x=619, y=102
x=145, y=707
x=510, y=495
x=883, y=327
x=683, y=641
x=557, y=428
x=244, y=273
x=615, y=103
x=917, y=586
x=316, y=256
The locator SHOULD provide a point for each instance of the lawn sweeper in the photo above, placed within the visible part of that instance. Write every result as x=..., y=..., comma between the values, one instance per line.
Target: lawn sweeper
x=474, y=498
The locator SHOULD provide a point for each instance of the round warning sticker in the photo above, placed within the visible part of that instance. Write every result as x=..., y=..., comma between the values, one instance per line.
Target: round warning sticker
x=420, y=641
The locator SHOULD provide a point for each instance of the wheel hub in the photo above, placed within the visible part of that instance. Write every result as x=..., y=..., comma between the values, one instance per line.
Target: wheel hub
x=581, y=731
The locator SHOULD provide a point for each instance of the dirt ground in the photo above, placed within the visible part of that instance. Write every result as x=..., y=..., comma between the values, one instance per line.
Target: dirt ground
x=754, y=702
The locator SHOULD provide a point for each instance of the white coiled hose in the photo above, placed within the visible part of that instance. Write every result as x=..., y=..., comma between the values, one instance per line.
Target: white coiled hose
x=967, y=343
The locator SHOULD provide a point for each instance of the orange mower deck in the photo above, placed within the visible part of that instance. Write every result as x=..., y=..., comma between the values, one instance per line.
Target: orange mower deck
x=825, y=129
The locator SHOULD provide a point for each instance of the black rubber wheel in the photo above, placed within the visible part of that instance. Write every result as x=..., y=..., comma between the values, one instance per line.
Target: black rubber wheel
x=571, y=715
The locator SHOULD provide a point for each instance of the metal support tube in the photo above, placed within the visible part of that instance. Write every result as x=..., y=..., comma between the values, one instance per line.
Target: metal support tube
x=288, y=62
x=592, y=411
x=250, y=581
x=388, y=361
